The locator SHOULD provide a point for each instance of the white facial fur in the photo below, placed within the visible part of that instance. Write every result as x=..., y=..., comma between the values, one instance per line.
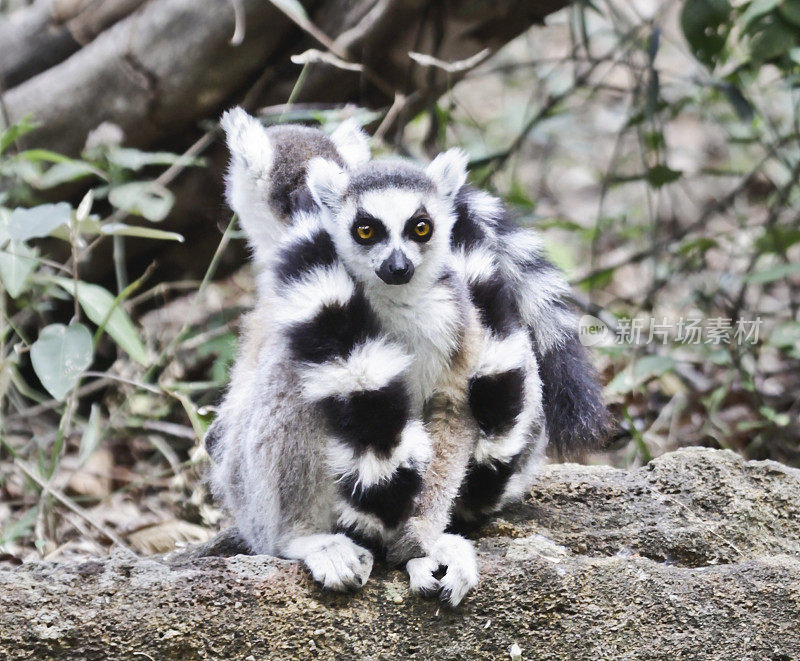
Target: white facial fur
x=393, y=207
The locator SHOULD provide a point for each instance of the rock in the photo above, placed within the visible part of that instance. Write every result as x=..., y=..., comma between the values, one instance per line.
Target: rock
x=696, y=556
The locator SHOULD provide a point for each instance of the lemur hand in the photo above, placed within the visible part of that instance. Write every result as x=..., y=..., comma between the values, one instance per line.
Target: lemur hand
x=457, y=556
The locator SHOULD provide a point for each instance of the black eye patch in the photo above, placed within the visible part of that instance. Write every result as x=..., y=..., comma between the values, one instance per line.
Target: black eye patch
x=419, y=227
x=367, y=230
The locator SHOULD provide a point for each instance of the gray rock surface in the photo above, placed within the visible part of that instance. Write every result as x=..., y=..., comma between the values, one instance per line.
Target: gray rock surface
x=694, y=556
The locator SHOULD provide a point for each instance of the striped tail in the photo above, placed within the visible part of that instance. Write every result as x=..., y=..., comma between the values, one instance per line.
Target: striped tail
x=576, y=417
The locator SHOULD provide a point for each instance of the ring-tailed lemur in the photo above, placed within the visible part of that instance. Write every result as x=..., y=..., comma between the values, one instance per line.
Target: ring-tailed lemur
x=388, y=372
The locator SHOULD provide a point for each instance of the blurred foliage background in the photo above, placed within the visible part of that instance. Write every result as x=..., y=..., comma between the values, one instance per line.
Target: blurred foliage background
x=656, y=145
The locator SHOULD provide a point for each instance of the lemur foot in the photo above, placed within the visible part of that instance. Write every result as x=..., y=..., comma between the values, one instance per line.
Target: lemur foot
x=421, y=578
x=335, y=561
x=461, y=570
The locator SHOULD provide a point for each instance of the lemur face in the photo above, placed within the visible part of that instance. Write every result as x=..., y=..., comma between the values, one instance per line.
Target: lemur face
x=393, y=232
x=390, y=221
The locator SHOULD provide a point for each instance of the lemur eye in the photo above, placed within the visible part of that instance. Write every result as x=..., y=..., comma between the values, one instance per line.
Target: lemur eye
x=367, y=230
x=422, y=228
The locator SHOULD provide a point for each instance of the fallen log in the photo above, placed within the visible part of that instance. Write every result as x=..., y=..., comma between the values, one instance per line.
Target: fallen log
x=48, y=31
x=170, y=63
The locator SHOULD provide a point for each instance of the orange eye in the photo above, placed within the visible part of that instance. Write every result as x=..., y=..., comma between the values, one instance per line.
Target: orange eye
x=422, y=228
x=365, y=232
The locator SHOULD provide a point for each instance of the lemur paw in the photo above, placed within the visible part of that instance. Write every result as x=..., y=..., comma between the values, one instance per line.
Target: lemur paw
x=339, y=564
x=421, y=578
x=457, y=556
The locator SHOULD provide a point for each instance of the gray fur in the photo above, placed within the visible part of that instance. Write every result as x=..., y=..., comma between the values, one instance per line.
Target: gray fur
x=388, y=174
x=297, y=146
x=268, y=169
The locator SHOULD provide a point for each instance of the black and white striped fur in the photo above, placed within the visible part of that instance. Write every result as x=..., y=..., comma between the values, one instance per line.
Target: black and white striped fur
x=505, y=392
x=577, y=418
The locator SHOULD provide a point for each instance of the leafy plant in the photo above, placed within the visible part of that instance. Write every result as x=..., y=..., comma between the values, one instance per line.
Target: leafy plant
x=52, y=321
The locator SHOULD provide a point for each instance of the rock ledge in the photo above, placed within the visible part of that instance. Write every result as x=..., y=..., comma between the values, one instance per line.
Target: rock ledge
x=696, y=555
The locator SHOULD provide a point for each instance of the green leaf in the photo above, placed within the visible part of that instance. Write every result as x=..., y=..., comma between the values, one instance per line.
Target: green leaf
x=134, y=159
x=5, y=214
x=143, y=198
x=92, y=435
x=17, y=262
x=778, y=272
x=38, y=222
x=777, y=239
x=38, y=155
x=15, y=131
x=84, y=206
x=661, y=175
x=519, y=197
x=560, y=255
x=60, y=355
x=790, y=11
x=775, y=40
x=622, y=383
x=597, y=280
x=20, y=169
x=650, y=366
x=779, y=419
x=719, y=356
x=100, y=305
x=61, y=173
x=199, y=423
x=561, y=223
x=786, y=335
x=755, y=10
x=654, y=140
x=700, y=245
x=642, y=370
x=121, y=229
x=706, y=25
x=22, y=527
x=92, y=226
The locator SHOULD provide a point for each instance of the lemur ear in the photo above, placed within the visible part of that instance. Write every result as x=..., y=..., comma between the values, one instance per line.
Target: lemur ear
x=327, y=182
x=448, y=171
x=352, y=143
x=248, y=142
x=247, y=183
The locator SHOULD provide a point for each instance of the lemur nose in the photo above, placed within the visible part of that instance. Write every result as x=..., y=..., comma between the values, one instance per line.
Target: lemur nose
x=396, y=269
